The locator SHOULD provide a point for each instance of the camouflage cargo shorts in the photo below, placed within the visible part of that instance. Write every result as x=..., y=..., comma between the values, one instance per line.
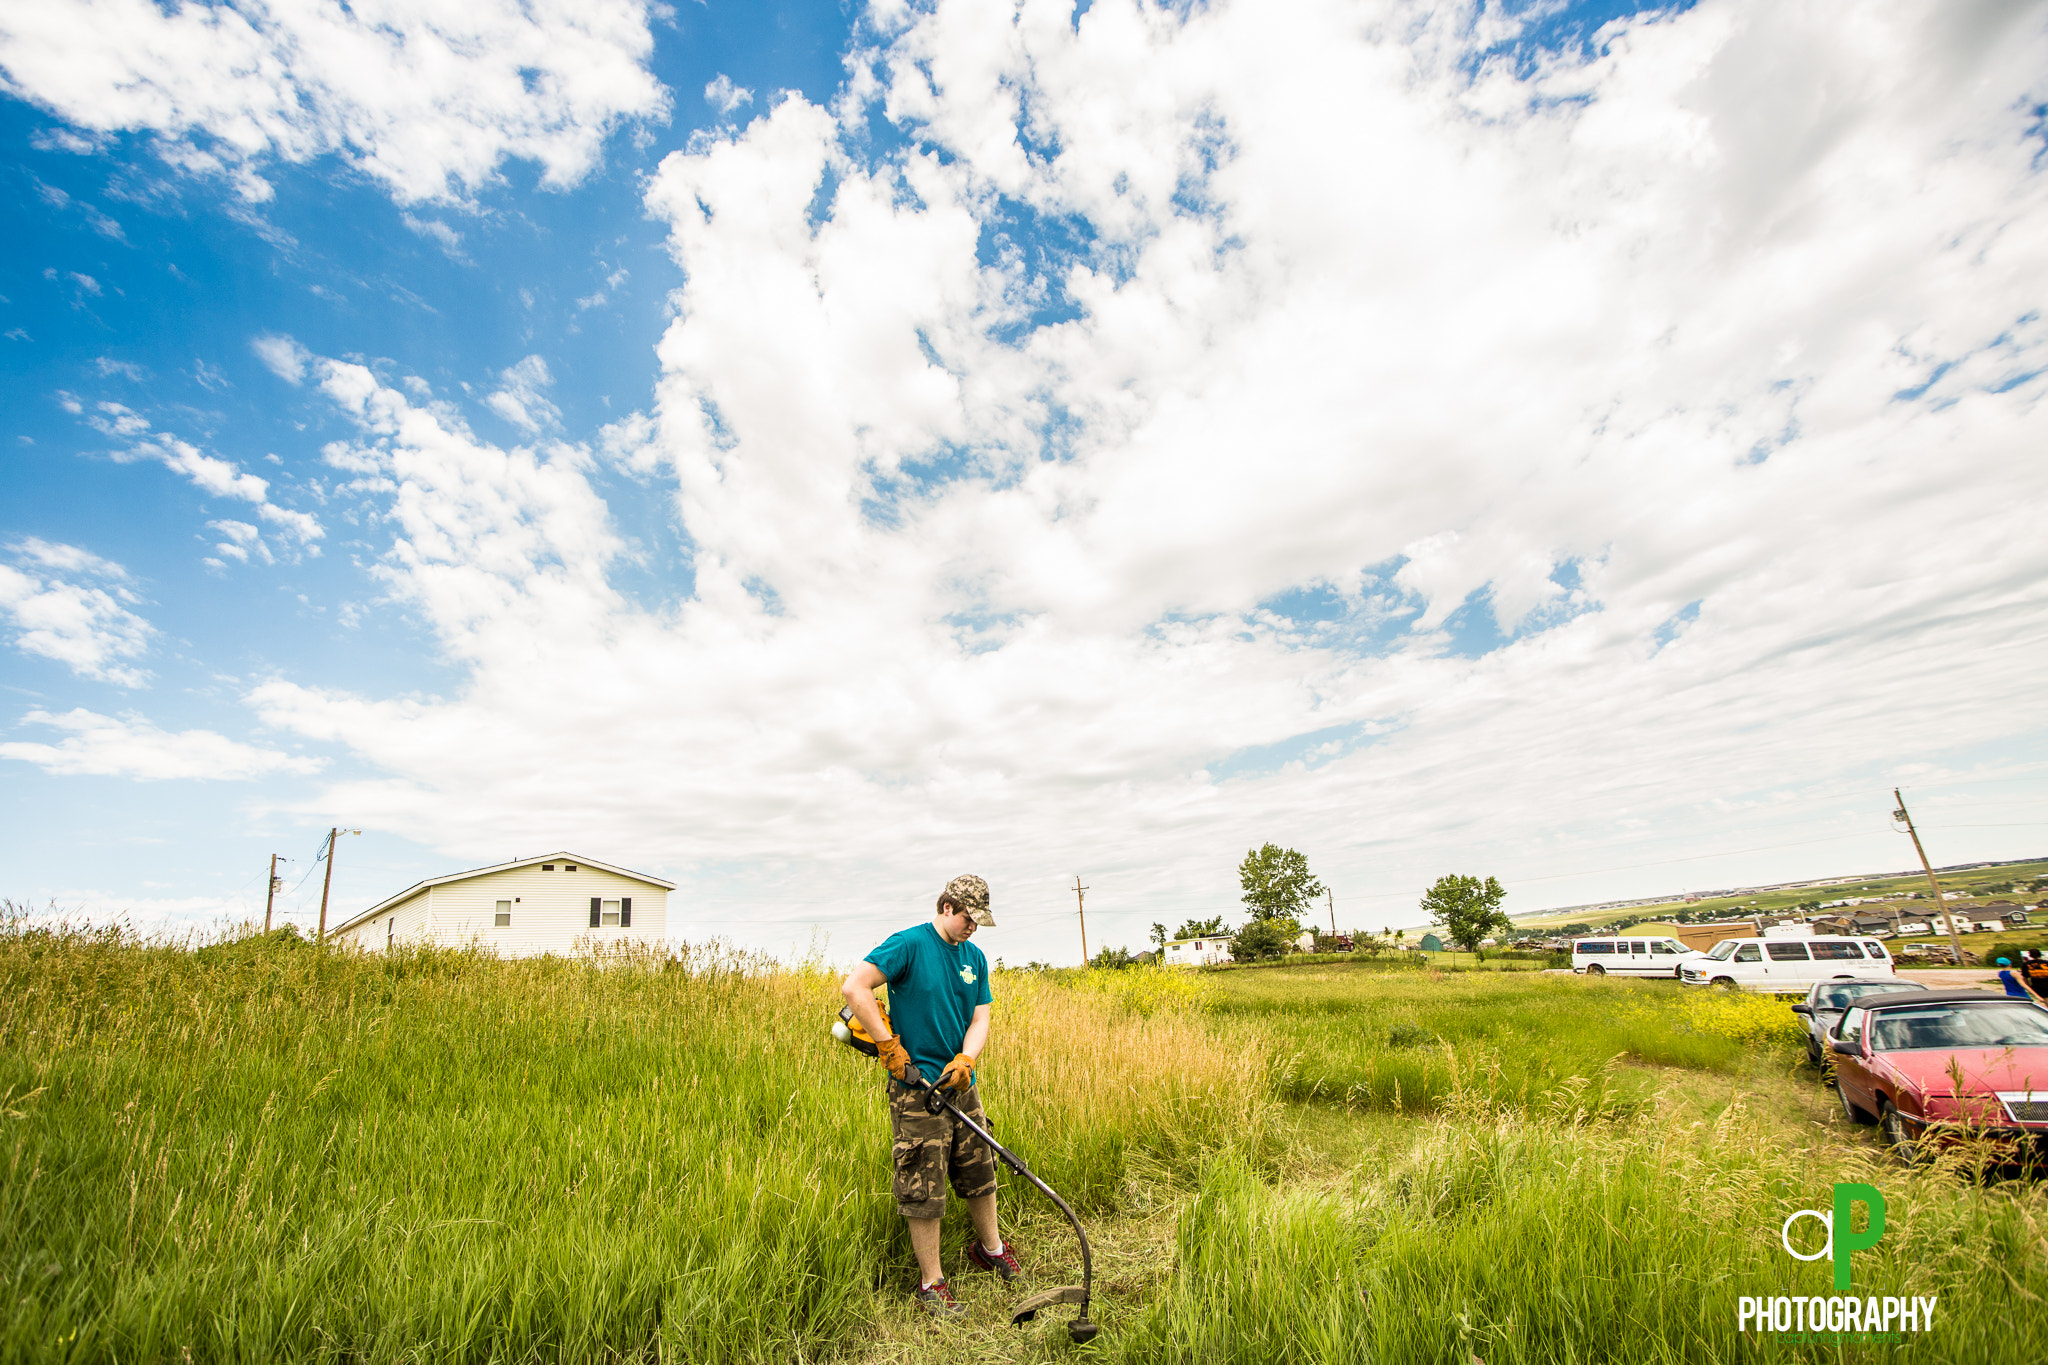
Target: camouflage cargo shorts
x=931, y=1148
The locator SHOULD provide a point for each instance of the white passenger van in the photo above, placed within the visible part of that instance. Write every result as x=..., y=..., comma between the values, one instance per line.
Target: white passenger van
x=1788, y=965
x=1630, y=956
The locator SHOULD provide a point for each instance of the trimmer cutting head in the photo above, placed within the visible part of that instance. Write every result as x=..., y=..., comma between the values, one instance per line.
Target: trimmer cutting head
x=1080, y=1329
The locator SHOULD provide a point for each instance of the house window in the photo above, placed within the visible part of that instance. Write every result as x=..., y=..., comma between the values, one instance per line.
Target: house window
x=547, y=867
x=390, y=930
x=611, y=914
x=568, y=867
x=503, y=918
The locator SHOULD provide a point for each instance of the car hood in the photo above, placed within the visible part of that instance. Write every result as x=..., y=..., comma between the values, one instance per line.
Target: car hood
x=1983, y=1069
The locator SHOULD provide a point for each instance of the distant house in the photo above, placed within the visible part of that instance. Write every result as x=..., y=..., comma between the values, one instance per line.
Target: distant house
x=1206, y=951
x=1863, y=923
x=1997, y=917
x=1700, y=937
x=1431, y=943
x=556, y=903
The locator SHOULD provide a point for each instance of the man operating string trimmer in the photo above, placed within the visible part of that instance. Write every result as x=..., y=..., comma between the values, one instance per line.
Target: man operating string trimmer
x=939, y=1006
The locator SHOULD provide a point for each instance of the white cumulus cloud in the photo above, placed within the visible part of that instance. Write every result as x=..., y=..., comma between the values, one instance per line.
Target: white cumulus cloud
x=1280, y=420
x=129, y=746
x=209, y=473
x=721, y=94
x=282, y=356
x=85, y=625
x=522, y=401
x=425, y=98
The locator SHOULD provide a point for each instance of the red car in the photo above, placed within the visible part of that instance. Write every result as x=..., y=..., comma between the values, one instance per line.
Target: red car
x=1919, y=1058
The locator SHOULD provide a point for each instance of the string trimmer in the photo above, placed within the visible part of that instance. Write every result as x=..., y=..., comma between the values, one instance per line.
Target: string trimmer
x=848, y=1030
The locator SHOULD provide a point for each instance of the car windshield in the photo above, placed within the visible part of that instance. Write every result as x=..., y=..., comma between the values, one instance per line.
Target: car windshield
x=1721, y=950
x=1838, y=995
x=1960, y=1025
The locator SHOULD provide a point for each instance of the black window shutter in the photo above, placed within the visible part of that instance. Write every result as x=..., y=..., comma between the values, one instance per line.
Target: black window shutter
x=626, y=913
x=596, y=905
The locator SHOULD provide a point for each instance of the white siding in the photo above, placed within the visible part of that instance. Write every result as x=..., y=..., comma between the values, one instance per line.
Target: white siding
x=550, y=912
x=371, y=934
x=1206, y=951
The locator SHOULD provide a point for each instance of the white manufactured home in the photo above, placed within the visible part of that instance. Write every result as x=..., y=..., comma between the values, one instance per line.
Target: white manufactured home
x=1206, y=951
x=556, y=903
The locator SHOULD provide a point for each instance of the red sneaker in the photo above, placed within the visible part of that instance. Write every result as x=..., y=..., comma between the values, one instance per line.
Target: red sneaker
x=1003, y=1263
x=937, y=1299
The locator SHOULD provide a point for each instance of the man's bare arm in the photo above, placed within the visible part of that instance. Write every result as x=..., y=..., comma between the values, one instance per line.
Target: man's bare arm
x=977, y=1033
x=859, y=989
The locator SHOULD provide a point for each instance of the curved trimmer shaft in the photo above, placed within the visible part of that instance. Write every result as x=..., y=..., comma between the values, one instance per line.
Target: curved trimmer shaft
x=1080, y=1329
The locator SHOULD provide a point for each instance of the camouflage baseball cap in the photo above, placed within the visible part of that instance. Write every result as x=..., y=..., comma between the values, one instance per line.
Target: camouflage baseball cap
x=970, y=893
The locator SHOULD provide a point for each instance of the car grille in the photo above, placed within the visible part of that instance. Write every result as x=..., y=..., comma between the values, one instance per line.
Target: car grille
x=2025, y=1106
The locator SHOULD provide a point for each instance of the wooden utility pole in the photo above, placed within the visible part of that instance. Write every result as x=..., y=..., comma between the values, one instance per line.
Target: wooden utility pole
x=1333, y=911
x=327, y=883
x=1081, y=908
x=270, y=899
x=1955, y=943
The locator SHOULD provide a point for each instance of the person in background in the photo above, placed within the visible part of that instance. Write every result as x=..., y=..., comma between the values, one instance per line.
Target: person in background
x=2013, y=982
x=2034, y=971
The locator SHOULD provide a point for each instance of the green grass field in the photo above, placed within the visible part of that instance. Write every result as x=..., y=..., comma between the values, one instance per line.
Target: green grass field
x=261, y=1152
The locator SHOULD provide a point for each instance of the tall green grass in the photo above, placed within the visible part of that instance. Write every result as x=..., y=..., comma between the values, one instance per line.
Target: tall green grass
x=264, y=1151
x=1562, y=1234
x=261, y=1151
x=1407, y=1042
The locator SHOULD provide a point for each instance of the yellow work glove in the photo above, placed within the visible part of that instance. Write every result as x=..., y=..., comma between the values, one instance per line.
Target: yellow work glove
x=895, y=1059
x=959, y=1073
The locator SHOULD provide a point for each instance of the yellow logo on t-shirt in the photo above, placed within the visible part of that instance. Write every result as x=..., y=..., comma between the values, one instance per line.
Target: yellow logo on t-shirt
x=967, y=975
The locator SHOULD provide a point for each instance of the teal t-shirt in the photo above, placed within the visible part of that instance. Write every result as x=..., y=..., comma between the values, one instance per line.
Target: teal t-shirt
x=934, y=987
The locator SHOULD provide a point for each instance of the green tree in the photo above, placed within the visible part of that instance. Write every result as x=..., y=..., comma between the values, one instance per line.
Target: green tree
x=1113, y=959
x=1159, y=936
x=1576, y=930
x=1263, y=939
x=1201, y=928
x=1277, y=883
x=1467, y=908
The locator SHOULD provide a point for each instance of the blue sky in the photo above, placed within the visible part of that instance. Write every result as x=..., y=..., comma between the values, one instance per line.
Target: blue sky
x=809, y=451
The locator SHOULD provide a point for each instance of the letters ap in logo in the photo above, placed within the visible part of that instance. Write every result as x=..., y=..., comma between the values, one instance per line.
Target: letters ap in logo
x=1841, y=1232
x=1842, y=1236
